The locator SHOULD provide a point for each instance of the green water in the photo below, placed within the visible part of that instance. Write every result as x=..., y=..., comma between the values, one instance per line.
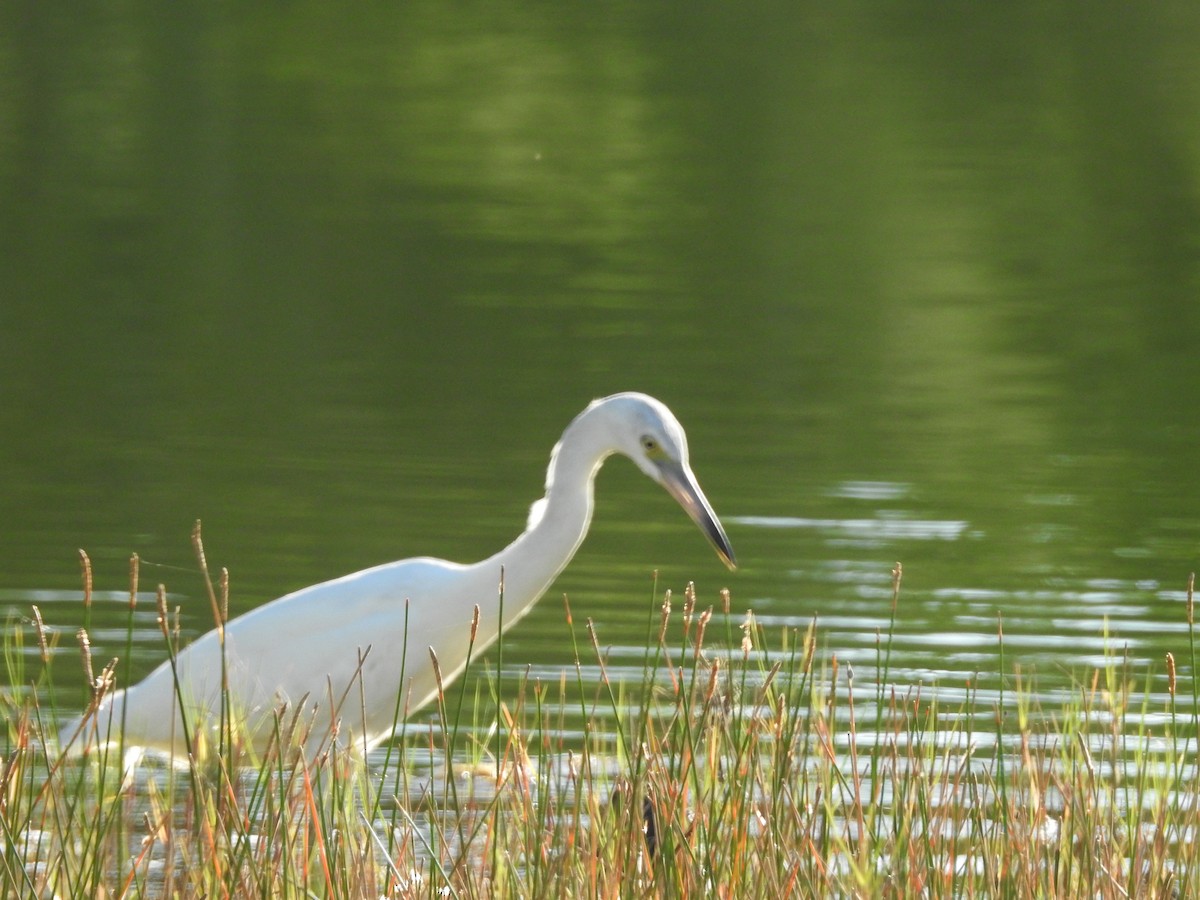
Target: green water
x=922, y=287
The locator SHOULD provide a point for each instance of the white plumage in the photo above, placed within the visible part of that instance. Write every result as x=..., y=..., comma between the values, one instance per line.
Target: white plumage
x=307, y=644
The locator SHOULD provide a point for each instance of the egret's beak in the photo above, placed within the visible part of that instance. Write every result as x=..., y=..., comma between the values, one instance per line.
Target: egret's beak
x=681, y=484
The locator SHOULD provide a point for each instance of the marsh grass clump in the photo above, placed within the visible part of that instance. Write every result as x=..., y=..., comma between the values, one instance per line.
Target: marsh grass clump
x=740, y=763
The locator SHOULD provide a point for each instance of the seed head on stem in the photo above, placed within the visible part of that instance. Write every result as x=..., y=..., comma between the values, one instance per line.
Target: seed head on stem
x=40, y=627
x=134, y=565
x=701, y=625
x=666, y=615
x=160, y=603
x=85, y=649
x=747, y=630
x=85, y=565
x=810, y=647
x=102, y=685
x=713, y=677
x=689, y=605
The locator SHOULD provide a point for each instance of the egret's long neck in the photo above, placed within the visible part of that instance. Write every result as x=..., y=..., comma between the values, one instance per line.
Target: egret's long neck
x=532, y=561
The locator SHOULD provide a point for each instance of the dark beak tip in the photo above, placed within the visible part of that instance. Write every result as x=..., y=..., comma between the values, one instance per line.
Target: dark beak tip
x=725, y=552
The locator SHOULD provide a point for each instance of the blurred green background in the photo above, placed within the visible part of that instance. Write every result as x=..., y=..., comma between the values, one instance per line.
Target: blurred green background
x=921, y=282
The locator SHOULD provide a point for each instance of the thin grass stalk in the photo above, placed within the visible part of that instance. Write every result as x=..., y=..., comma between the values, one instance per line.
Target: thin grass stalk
x=1001, y=774
x=134, y=571
x=495, y=817
x=462, y=690
x=85, y=570
x=651, y=664
x=618, y=720
x=884, y=669
x=583, y=711
x=164, y=628
x=449, y=747
x=1190, y=612
x=741, y=810
x=399, y=714
x=225, y=725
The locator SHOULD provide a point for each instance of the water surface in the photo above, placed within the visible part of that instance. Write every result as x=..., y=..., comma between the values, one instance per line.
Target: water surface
x=921, y=290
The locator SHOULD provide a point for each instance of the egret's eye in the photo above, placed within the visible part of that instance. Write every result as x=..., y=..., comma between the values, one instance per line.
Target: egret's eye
x=649, y=444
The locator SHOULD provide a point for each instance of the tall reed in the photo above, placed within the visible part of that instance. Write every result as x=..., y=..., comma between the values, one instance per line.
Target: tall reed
x=759, y=764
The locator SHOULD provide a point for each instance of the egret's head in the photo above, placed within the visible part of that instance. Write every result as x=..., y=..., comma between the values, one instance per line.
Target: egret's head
x=649, y=434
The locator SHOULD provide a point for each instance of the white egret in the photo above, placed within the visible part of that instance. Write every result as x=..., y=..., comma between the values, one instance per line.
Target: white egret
x=307, y=646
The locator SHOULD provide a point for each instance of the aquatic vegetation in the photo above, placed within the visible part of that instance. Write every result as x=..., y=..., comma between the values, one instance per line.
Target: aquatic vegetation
x=738, y=762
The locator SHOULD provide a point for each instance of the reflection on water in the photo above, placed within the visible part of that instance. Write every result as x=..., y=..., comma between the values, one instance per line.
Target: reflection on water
x=952, y=639
x=867, y=532
x=987, y=663
x=443, y=803
x=920, y=288
x=400, y=261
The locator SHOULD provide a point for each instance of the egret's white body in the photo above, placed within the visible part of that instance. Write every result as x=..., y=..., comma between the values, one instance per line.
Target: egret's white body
x=307, y=646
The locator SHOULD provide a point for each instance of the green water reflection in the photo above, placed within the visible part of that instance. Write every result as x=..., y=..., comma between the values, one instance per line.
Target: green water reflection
x=334, y=283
